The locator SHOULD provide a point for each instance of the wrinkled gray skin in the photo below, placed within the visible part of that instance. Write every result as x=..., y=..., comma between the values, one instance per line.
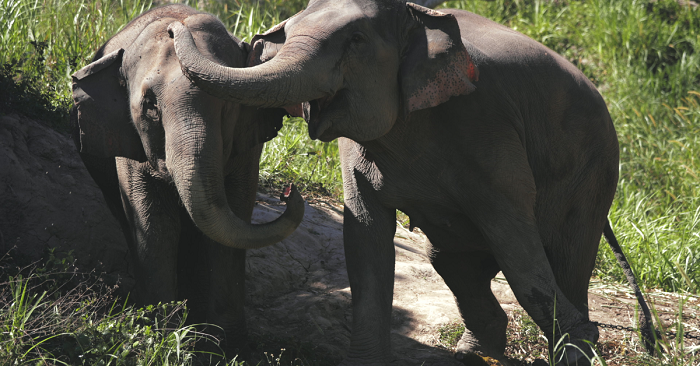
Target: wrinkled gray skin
x=177, y=166
x=500, y=150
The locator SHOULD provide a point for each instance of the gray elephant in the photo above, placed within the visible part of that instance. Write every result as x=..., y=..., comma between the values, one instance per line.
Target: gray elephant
x=177, y=166
x=499, y=149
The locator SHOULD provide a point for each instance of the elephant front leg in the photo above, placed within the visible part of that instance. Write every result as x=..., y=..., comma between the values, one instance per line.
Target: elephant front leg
x=225, y=267
x=225, y=305
x=151, y=208
x=368, y=232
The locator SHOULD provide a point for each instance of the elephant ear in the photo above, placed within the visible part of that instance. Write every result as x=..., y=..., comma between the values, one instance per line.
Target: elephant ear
x=435, y=64
x=263, y=47
x=101, y=111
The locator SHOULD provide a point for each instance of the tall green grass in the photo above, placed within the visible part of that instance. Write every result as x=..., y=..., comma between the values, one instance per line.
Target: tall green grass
x=52, y=315
x=642, y=54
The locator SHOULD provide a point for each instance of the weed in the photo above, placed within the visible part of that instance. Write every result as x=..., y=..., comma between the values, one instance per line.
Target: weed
x=525, y=340
x=450, y=334
x=47, y=320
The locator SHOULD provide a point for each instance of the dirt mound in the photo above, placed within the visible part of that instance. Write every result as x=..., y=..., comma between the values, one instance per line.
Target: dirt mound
x=48, y=200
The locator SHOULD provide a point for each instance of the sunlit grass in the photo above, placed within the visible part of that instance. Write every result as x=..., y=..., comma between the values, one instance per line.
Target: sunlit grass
x=292, y=157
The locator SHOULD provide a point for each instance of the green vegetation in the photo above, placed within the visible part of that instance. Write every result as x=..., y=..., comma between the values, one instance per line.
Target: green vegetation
x=450, y=334
x=643, y=55
x=52, y=315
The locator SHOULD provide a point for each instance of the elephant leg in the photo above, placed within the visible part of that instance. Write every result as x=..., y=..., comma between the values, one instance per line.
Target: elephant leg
x=571, y=235
x=225, y=305
x=151, y=208
x=368, y=233
x=104, y=172
x=505, y=215
x=468, y=275
x=520, y=255
x=192, y=272
x=226, y=282
x=572, y=260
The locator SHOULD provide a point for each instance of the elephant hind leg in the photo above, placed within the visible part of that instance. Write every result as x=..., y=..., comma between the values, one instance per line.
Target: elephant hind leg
x=468, y=275
x=571, y=236
x=572, y=264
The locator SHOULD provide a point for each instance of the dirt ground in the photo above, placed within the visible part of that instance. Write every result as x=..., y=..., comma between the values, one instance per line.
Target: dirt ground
x=298, y=290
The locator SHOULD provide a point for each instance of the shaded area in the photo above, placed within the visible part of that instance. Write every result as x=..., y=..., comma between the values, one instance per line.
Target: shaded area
x=48, y=200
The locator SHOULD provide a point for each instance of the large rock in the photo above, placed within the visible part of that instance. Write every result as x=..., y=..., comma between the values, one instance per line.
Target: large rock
x=48, y=200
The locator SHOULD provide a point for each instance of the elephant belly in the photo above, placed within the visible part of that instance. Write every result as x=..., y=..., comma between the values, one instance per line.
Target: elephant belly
x=449, y=232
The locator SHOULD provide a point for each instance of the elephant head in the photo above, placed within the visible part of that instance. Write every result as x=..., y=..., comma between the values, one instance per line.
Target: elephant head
x=133, y=101
x=360, y=65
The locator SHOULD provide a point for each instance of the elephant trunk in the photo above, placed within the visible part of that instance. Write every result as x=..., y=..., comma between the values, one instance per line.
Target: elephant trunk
x=283, y=81
x=193, y=149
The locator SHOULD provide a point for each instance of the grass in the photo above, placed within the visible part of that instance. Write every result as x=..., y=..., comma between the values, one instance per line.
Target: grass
x=450, y=334
x=52, y=315
x=643, y=55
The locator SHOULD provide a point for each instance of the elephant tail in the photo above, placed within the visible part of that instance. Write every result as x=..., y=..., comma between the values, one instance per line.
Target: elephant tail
x=646, y=326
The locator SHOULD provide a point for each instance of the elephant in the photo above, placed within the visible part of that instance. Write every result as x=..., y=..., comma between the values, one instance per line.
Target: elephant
x=178, y=167
x=499, y=149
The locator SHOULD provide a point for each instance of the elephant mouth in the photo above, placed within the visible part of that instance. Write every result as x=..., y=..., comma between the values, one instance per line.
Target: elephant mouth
x=314, y=113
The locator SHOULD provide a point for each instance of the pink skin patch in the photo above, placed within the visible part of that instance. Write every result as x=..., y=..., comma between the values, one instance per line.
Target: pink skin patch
x=286, y=192
x=453, y=79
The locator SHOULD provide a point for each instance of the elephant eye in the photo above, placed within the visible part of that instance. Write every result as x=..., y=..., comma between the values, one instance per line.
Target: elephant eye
x=152, y=113
x=358, y=37
x=150, y=106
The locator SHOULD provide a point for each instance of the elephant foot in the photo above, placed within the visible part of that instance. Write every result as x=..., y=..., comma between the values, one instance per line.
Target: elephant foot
x=385, y=361
x=472, y=359
x=576, y=347
x=575, y=353
x=470, y=351
x=348, y=362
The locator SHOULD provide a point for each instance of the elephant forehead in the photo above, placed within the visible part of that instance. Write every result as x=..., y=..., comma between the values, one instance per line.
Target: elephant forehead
x=329, y=16
x=151, y=44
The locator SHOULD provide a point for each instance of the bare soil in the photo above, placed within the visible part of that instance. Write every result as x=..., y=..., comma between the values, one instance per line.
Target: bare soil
x=298, y=291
